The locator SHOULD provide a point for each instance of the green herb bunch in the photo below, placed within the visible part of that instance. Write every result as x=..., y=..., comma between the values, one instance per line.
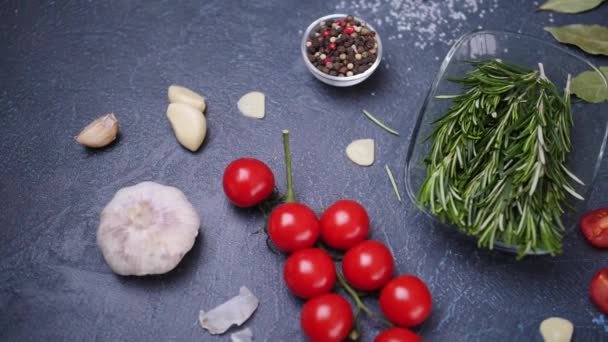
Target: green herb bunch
x=496, y=168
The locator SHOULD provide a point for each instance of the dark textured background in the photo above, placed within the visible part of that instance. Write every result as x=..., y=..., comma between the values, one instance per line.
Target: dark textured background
x=64, y=63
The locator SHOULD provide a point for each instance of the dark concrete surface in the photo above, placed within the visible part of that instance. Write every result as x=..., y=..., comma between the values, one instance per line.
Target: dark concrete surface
x=62, y=63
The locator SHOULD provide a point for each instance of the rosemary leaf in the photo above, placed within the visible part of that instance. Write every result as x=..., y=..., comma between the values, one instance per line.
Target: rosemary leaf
x=379, y=123
x=393, y=183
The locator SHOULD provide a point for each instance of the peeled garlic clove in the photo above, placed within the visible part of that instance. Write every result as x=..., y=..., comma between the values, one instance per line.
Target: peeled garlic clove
x=253, y=105
x=556, y=329
x=147, y=229
x=99, y=133
x=361, y=152
x=189, y=125
x=179, y=94
x=235, y=311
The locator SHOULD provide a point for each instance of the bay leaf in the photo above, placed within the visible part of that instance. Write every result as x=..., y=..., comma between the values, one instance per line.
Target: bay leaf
x=570, y=6
x=590, y=87
x=592, y=39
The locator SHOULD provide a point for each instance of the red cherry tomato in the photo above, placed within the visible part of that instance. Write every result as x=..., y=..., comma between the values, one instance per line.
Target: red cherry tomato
x=599, y=290
x=595, y=227
x=293, y=226
x=327, y=318
x=406, y=301
x=397, y=335
x=344, y=224
x=368, y=265
x=247, y=182
x=309, y=272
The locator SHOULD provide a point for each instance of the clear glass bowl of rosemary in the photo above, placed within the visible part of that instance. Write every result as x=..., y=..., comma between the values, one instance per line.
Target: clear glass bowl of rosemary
x=588, y=132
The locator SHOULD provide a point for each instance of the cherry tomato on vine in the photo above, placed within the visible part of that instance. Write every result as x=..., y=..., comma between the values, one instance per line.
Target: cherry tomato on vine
x=368, y=265
x=293, y=226
x=247, y=182
x=309, y=273
x=326, y=318
x=397, y=335
x=406, y=301
x=599, y=290
x=595, y=227
x=344, y=224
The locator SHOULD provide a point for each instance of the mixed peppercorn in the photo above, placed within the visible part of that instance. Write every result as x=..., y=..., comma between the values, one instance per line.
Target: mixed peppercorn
x=343, y=47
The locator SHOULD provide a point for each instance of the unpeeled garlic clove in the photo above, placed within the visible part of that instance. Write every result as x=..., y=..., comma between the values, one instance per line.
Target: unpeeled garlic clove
x=179, y=94
x=189, y=125
x=99, y=133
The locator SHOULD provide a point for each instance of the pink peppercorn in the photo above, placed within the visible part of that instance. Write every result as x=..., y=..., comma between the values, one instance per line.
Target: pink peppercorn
x=326, y=34
x=332, y=46
x=349, y=30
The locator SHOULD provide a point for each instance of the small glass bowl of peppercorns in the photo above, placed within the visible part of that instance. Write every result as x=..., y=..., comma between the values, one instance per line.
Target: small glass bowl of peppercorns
x=341, y=50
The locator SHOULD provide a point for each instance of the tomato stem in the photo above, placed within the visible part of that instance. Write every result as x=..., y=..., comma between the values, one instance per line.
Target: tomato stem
x=360, y=306
x=290, y=196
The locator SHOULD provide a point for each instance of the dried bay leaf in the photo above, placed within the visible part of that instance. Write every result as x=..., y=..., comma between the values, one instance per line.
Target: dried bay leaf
x=570, y=6
x=592, y=39
x=590, y=86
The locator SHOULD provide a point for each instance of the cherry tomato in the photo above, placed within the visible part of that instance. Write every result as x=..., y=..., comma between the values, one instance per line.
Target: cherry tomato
x=595, y=227
x=293, y=226
x=326, y=318
x=599, y=290
x=309, y=272
x=397, y=335
x=344, y=224
x=368, y=265
x=406, y=301
x=247, y=182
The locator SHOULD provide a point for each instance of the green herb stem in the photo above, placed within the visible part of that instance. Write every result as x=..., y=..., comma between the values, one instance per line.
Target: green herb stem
x=360, y=306
x=380, y=123
x=289, y=196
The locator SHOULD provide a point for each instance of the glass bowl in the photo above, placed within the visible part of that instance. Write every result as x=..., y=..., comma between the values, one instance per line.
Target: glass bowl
x=335, y=80
x=590, y=120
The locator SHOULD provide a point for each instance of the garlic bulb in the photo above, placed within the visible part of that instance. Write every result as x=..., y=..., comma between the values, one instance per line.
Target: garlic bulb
x=99, y=133
x=147, y=229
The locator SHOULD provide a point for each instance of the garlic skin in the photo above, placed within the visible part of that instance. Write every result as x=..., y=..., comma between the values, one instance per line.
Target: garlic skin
x=179, y=94
x=147, y=229
x=189, y=125
x=99, y=133
x=235, y=311
x=361, y=152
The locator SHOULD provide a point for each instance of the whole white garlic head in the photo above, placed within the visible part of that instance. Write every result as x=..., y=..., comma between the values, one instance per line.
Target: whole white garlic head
x=147, y=229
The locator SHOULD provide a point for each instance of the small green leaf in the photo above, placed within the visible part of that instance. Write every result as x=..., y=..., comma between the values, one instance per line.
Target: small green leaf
x=592, y=39
x=570, y=6
x=590, y=86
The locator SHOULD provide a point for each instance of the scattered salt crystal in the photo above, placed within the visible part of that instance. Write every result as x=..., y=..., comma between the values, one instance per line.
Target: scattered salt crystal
x=422, y=21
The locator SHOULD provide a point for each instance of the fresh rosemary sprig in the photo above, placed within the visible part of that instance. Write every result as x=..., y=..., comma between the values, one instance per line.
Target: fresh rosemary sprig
x=496, y=168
